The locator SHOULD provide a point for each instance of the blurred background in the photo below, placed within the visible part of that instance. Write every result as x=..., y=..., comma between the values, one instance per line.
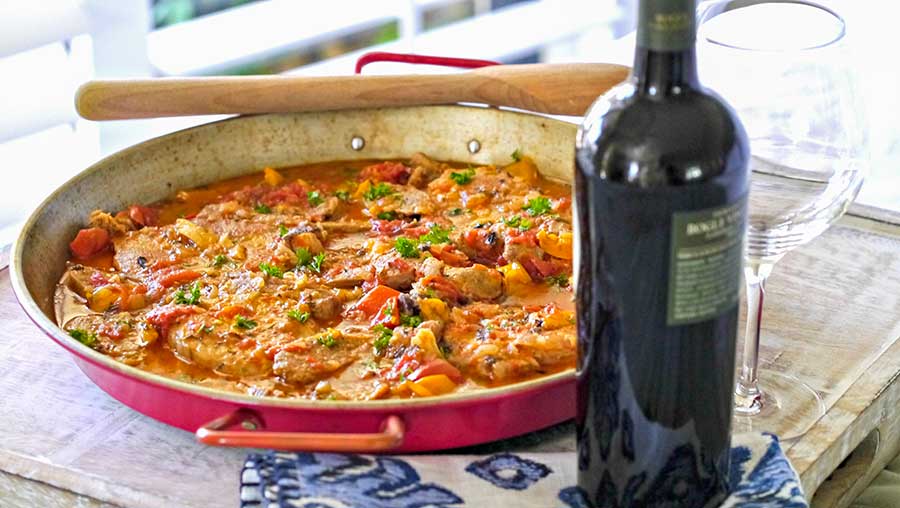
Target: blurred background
x=49, y=47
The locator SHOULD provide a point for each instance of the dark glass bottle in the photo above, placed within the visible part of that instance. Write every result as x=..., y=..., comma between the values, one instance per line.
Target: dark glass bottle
x=661, y=188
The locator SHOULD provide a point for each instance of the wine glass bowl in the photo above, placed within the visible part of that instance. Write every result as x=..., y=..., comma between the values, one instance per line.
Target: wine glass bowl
x=785, y=69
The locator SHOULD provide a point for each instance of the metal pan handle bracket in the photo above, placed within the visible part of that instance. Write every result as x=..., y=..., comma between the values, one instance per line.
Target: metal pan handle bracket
x=217, y=433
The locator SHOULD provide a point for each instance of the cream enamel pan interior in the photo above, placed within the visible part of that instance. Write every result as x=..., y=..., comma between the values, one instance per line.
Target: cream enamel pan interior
x=155, y=169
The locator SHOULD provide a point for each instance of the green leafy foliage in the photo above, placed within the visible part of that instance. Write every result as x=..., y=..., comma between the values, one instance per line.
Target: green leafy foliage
x=296, y=315
x=271, y=270
x=190, y=298
x=244, y=323
x=463, y=177
x=407, y=247
x=83, y=336
x=538, y=206
x=378, y=191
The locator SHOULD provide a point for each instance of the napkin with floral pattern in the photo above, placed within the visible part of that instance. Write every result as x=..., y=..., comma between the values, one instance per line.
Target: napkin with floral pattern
x=762, y=477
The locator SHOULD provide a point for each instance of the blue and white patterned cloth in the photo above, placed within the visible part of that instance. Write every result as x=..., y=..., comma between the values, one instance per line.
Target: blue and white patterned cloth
x=761, y=473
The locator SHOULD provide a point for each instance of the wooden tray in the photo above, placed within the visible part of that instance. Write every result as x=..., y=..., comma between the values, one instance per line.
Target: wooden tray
x=832, y=319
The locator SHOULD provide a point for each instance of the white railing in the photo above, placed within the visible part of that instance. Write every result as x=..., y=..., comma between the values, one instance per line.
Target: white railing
x=48, y=47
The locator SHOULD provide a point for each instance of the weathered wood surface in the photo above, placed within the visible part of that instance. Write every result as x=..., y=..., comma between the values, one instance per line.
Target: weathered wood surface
x=832, y=319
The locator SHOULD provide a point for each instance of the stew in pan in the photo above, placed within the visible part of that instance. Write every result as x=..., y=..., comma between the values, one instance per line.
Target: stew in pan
x=340, y=280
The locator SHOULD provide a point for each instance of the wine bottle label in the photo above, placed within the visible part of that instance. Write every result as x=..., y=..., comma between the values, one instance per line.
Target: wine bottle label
x=666, y=25
x=705, y=263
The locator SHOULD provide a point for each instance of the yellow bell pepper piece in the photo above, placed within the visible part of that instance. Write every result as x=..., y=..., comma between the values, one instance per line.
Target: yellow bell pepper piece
x=557, y=246
x=201, y=236
x=558, y=319
x=433, y=309
x=428, y=386
x=425, y=339
x=515, y=277
x=103, y=298
x=524, y=168
x=361, y=189
x=272, y=177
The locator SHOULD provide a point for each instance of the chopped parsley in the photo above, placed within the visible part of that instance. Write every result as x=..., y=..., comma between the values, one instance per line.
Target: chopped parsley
x=317, y=261
x=270, y=270
x=537, y=206
x=445, y=349
x=342, y=195
x=518, y=222
x=220, y=260
x=327, y=340
x=382, y=338
x=561, y=280
x=387, y=215
x=296, y=315
x=207, y=329
x=457, y=211
x=314, y=198
x=303, y=257
x=261, y=208
x=388, y=309
x=407, y=247
x=244, y=323
x=435, y=235
x=377, y=191
x=516, y=155
x=282, y=230
x=411, y=321
x=463, y=177
x=83, y=336
x=188, y=299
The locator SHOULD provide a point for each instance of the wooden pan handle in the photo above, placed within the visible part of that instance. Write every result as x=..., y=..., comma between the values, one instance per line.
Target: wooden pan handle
x=562, y=89
x=216, y=433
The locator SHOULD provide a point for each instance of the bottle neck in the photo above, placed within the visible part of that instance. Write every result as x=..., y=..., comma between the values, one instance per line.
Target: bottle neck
x=665, y=72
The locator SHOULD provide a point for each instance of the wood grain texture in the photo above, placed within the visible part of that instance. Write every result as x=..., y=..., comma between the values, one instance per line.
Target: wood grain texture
x=832, y=318
x=561, y=89
x=18, y=492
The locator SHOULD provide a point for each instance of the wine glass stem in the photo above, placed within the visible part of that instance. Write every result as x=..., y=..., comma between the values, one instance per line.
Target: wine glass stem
x=748, y=396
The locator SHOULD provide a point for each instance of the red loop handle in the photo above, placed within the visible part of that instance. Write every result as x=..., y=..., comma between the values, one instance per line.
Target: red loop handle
x=217, y=433
x=446, y=61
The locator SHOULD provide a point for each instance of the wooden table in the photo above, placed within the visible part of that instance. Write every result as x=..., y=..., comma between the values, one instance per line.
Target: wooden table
x=832, y=319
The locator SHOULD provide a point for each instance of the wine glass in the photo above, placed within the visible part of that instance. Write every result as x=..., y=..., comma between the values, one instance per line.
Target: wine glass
x=784, y=67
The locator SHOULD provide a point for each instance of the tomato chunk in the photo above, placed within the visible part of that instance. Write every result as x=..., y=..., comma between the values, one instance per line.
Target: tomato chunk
x=393, y=172
x=142, y=215
x=485, y=244
x=450, y=255
x=375, y=299
x=164, y=317
x=169, y=277
x=435, y=367
x=539, y=269
x=389, y=313
x=89, y=242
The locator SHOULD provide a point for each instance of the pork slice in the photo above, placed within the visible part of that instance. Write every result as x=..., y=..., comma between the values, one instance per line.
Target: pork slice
x=410, y=202
x=201, y=341
x=477, y=282
x=317, y=357
x=394, y=271
x=119, y=336
x=323, y=305
x=146, y=247
x=424, y=170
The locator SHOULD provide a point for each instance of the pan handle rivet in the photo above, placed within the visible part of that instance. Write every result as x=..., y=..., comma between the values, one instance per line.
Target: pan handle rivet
x=357, y=143
x=474, y=146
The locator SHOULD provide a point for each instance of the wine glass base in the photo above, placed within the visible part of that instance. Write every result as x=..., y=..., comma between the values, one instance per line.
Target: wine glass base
x=785, y=406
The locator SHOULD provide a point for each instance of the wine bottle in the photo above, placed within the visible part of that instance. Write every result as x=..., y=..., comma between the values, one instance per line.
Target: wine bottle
x=661, y=188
